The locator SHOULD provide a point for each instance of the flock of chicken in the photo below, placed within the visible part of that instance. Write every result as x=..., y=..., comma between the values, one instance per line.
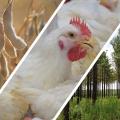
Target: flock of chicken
x=59, y=59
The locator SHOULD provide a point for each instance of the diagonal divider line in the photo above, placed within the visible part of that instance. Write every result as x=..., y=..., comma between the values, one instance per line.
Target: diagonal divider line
x=87, y=71
x=33, y=44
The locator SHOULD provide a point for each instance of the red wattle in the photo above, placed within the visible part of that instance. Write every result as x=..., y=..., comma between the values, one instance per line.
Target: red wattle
x=76, y=53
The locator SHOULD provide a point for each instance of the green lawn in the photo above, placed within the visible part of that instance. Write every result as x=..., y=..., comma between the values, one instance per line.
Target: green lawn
x=104, y=109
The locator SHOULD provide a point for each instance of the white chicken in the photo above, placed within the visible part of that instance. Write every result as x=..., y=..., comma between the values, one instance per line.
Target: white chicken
x=110, y=4
x=94, y=14
x=45, y=79
x=114, y=6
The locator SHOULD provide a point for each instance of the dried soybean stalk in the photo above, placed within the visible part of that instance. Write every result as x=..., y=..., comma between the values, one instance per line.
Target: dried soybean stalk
x=4, y=66
x=29, y=33
x=10, y=32
x=20, y=54
x=42, y=21
x=1, y=37
x=2, y=80
x=11, y=63
x=23, y=26
x=9, y=49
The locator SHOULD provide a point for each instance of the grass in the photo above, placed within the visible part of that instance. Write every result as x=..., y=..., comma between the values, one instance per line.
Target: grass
x=104, y=109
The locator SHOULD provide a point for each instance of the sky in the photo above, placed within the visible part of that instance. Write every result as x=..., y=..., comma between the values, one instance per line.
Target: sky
x=109, y=50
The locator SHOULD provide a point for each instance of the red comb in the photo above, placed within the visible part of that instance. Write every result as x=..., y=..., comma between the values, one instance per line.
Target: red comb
x=81, y=25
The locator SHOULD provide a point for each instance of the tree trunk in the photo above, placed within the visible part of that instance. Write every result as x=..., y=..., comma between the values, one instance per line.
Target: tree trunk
x=80, y=89
x=94, y=95
x=78, y=96
x=88, y=86
x=66, y=112
x=118, y=86
x=102, y=84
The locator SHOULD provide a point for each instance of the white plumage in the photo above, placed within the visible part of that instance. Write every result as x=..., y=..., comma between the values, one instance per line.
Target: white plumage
x=36, y=118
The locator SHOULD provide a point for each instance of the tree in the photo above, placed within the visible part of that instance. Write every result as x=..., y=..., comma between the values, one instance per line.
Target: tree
x=116, y=55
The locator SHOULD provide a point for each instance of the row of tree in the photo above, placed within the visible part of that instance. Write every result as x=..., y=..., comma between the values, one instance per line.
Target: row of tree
x=116, y=56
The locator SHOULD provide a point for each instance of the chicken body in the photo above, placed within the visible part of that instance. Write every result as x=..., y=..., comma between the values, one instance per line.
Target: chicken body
x=50, y=60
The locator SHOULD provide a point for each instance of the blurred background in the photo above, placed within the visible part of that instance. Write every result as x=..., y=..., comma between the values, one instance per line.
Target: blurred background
x=26, y=12
x=28, y=19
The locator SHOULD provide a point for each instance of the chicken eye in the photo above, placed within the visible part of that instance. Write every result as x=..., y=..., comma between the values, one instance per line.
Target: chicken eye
x=71, y=34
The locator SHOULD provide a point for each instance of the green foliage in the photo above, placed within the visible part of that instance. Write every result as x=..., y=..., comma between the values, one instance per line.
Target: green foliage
x=116, y=54
x=104, y=67
x=75, y=110
x=61, y=117
x=104, y=109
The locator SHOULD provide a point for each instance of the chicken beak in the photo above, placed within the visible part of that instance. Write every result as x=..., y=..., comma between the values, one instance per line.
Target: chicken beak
x=85, y=42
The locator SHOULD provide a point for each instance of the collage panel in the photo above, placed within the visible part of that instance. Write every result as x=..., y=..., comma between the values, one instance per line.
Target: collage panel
x=59, y=60
x=98, y=96
x=20, y=23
